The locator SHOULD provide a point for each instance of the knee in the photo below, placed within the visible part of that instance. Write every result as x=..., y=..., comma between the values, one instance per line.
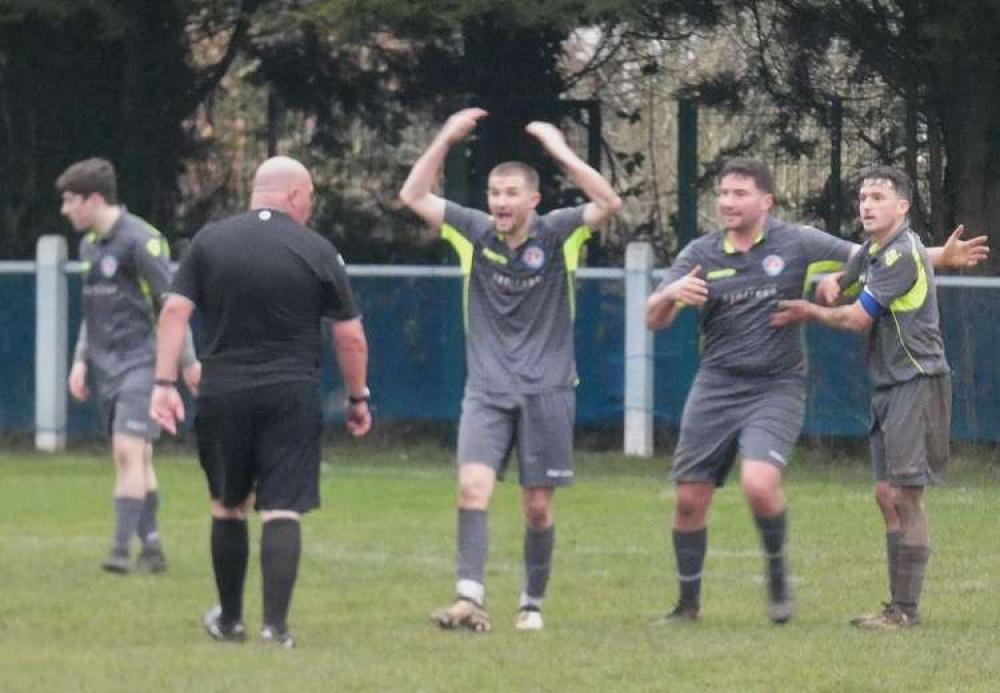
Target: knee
x=538, y=516
x=690, y=508
x=221, y=512
x=907, y=503
x=125, y=460
x=759, y=493
x=473, y=495
x=762, y=487
x=884, y=498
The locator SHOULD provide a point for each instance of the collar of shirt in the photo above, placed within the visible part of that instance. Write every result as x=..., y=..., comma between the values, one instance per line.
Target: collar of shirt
x=110, y=234
x=729, y=249
x=875, y=248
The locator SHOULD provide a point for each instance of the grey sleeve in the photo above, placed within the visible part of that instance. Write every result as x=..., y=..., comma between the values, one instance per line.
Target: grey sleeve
x=685, y=262
x=853, y=269
x=822, y=246
x=564, y=222
x=470, y=223
x=188, y=355
x=889, y=281
x=80, y=351
x=152, y=261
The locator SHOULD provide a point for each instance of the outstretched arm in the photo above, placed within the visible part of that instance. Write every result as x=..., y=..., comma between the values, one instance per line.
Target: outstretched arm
x=416, y=193
x=603, y=200
x=852, y=318
x=959, y=254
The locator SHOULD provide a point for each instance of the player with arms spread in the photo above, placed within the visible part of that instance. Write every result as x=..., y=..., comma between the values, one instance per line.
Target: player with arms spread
x=911, y=402
x=748, y=397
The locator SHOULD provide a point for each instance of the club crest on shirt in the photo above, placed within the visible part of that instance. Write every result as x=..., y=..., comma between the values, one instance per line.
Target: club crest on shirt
x=533, y=257
x=109, y=265
x=773, y=265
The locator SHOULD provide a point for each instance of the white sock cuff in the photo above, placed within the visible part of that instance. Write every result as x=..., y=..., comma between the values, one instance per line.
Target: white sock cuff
x=471, y=590
x=535, y=602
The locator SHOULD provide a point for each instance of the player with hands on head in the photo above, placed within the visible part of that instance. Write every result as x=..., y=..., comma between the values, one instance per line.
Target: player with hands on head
x=519, y=268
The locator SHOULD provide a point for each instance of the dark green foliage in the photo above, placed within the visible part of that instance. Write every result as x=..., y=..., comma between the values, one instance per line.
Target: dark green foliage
x=112, y=79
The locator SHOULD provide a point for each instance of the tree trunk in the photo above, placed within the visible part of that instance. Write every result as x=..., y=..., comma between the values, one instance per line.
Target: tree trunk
x=971, y=129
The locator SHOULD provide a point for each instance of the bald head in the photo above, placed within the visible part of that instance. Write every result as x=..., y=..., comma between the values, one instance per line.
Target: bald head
x=284, y=184
x=278, y=174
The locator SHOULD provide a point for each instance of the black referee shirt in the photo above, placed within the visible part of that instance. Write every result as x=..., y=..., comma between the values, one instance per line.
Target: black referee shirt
x=262, y=282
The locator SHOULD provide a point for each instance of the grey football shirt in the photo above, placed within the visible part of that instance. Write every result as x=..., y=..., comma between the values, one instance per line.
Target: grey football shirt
x=126, y=274
x=519, y=304
x=905, y=340
x=744, y=290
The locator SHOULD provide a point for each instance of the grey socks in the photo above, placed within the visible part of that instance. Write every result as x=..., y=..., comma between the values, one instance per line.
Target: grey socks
x=473, y=546
x=538, y=547
x=773, y=533
x=127, y=513
x=689, y=550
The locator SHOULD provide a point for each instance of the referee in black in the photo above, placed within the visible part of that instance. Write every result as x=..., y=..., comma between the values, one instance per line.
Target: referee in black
x=262, y=283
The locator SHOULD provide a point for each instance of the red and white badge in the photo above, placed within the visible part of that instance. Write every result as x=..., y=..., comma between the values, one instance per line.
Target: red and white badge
x=533, y=257
x=773, y=265
x=109, y=265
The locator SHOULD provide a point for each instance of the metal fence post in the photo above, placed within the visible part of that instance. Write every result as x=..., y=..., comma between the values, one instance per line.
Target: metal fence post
x=687, y=171
x=638, y=352
x=51, y=309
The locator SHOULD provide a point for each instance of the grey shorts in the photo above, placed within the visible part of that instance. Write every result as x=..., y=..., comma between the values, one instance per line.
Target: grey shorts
x=755, y=417
x=125, y=409
x=911, y=431
x=540, y=426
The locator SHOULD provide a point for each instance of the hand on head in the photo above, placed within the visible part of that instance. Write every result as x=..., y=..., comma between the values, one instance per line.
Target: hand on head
x=546, y=133
x=460, y=124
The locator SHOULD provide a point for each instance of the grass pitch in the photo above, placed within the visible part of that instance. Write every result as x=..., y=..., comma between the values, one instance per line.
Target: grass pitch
x=378, y=558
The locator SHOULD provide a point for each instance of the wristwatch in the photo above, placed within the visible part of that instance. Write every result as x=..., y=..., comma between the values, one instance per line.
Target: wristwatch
x=365, y=395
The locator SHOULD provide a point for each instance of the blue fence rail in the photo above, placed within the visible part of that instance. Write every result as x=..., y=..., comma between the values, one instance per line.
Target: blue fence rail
x=418, y=367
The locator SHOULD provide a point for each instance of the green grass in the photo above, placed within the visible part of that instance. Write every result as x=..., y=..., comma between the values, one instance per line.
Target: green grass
x=378, y=558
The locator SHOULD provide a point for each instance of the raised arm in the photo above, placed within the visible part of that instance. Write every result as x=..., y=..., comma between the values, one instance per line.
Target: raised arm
x=603, y=200
x=416, y=193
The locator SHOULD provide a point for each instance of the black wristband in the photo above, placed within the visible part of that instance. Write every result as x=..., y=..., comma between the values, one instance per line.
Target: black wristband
x=162, y=382
x=366, y=393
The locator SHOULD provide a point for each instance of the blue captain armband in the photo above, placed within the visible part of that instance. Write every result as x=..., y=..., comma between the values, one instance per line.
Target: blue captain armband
x=871, y=306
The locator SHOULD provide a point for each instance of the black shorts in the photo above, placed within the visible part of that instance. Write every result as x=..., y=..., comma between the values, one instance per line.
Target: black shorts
x=264, y=440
